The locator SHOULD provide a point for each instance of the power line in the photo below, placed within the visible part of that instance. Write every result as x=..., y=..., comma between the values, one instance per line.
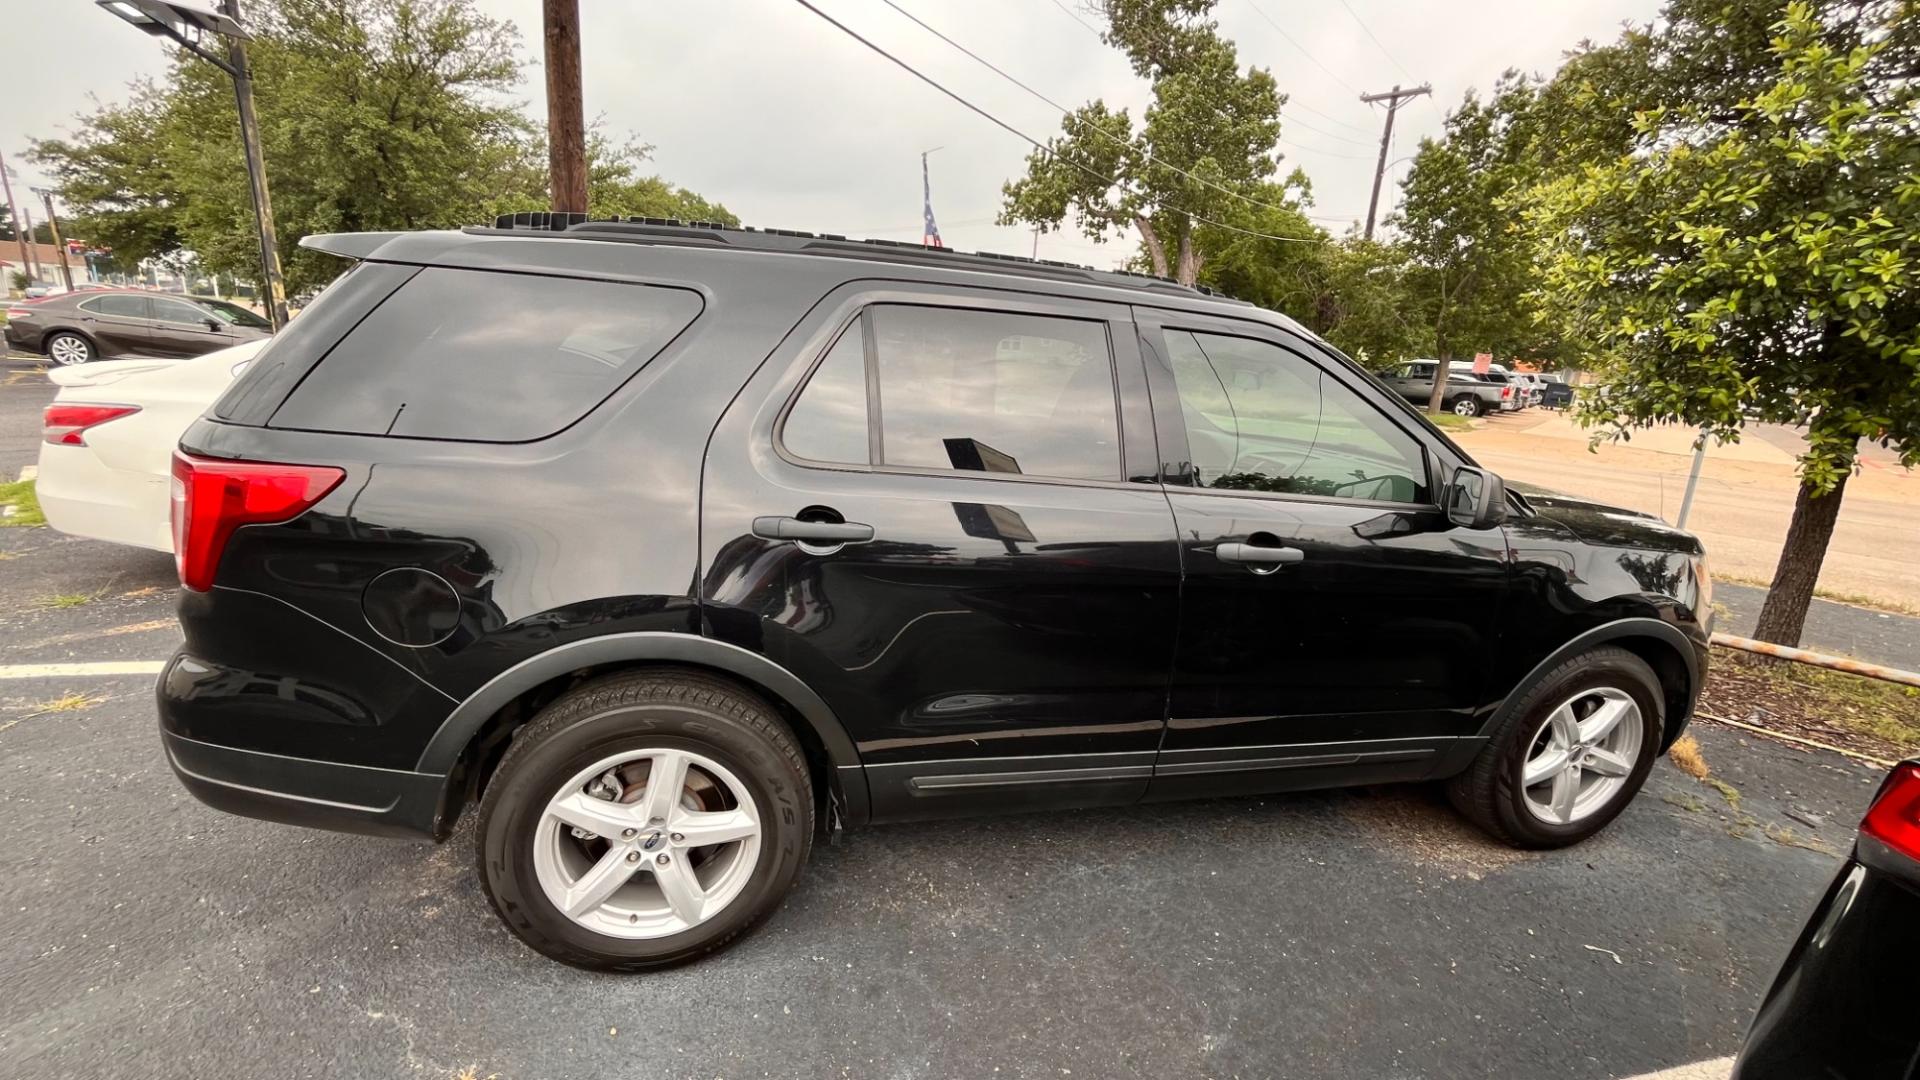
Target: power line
x=1068, y=12
x=1324, y=131
x=1324, y=115
x=1303, y=49
x=1003, y=125
x=1368, y=30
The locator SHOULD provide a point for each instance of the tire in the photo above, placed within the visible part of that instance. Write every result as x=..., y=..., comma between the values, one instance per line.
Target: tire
x=1491, y=792
x=66, y=349
x=1464, y=406
x=740, y=758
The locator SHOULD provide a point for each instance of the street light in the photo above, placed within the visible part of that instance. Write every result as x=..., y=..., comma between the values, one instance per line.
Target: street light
x=195, y=30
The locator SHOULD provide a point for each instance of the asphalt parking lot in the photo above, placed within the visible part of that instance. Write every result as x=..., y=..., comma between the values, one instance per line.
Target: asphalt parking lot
x=1364, y=934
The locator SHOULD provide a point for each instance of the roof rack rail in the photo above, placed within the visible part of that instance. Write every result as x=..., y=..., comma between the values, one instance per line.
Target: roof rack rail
x=794, y=240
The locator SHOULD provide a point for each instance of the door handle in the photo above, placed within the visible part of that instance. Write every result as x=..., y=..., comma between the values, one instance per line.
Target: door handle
x=1257, y=556
x=812, y=532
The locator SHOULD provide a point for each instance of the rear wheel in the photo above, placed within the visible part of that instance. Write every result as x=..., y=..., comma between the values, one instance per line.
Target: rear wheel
x=66, y=349
x=1568, y=753
x=643, y=820
x=1465, y=406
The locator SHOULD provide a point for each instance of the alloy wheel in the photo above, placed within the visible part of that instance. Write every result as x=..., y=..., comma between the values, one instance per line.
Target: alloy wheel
x=1581, y=755
x=647, y=843
x=1465, y=407
x=67, y=349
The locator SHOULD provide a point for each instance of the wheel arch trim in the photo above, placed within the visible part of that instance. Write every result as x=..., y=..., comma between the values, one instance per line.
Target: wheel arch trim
x=443, y=751
x=1637, y=626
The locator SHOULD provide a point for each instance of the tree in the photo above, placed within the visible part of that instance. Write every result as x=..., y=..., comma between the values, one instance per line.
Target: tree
x=1470, y=268
x=1757, y=253
x=1203, y=149
x=374, y=114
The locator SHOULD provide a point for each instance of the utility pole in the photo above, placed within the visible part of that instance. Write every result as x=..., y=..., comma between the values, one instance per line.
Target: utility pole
x=19, y=228
x=566, y=121
x=59, y=245
x=1394, y=99
x=192, y=27
x=276, y=298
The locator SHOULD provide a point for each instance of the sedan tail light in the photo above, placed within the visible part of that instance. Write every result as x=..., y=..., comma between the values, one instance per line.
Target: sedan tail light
x=1894, y=817
x=212, y=498
x=66, y=425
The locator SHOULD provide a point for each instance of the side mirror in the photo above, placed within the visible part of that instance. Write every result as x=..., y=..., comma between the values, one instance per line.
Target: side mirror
x=213, y=323
x=1476, y=498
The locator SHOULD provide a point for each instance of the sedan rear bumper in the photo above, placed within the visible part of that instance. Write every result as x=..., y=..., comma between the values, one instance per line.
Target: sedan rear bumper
x=83, y=496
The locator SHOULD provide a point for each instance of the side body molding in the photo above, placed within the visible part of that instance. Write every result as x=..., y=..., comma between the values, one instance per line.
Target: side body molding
x=849, y=779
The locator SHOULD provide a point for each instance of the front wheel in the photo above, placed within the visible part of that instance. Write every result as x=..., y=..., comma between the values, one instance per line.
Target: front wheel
x=644, y=820
x=68, y=349
x=1465, y=406
x=1568, y=753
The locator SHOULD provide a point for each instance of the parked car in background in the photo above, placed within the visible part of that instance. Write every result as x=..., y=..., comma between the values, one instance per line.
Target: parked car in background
x=1498, y=375
x=107, y=441
x=806, y=533
x=1555, y=393
x=80, y=327
x=1467, y=394
x=1844, y=1004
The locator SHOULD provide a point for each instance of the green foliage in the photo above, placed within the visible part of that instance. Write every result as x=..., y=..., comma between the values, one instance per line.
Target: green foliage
x=1756, y=251
x=1468, y=261
x=374, y=114
x=19, y=506
x=1209, y=119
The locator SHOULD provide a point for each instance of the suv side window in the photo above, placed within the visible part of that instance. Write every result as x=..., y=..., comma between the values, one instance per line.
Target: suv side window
x=120, y=305
x=484, y=356
x=1260, y=418
x=966, y=390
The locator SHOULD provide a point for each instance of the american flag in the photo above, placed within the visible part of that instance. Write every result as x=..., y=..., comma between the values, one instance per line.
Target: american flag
x=931, y=235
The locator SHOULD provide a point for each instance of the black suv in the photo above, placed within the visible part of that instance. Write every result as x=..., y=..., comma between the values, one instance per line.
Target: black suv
x=674, y=547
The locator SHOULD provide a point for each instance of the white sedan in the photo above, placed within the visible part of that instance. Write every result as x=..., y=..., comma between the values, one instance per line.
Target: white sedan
x=107, y=441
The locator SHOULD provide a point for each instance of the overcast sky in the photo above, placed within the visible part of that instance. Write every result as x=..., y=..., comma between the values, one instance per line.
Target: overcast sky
x=765, y=107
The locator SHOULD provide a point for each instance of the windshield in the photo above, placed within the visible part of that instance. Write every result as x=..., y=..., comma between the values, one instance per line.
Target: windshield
x=233, y=314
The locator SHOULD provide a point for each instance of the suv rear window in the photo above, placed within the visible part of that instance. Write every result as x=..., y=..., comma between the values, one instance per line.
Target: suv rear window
x=488, y=357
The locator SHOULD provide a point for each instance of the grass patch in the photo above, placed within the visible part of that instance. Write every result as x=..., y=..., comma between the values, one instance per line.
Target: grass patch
x=1727, y=791
x=69, y=600
x=1686, y=754
x=1854, y=711
x=1450, y=421
x=18, y=505
x=1685, y=802
x=65, y=703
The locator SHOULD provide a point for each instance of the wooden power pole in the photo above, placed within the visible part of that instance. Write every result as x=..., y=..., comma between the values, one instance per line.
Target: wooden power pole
x=59, y=245
x=20, y=228
x=1394, y=99
x=566, y=120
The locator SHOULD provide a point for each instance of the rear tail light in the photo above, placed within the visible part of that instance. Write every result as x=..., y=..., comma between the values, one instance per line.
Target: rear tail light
x=66, y=425
x=211, y=498
x=1894, y=818
x=1506, y=392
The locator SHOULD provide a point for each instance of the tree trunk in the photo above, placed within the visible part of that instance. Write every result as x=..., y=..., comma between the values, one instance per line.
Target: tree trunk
x=1156, y=251
x=1443, y=368
x=1784, y=614
x=1187, y=269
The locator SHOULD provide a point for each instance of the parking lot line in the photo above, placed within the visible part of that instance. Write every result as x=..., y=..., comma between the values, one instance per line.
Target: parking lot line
x=104, y=667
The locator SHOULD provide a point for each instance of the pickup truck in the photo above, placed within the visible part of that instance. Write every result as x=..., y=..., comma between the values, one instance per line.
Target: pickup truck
x=1467, y=394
